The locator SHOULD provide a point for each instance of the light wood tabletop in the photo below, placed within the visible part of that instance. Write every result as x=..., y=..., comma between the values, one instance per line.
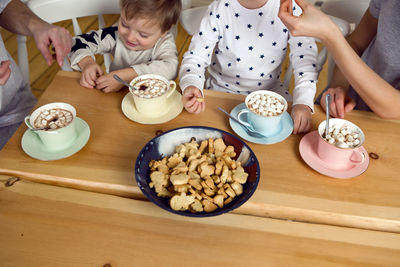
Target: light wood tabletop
x=288, y=187
x=44, y=225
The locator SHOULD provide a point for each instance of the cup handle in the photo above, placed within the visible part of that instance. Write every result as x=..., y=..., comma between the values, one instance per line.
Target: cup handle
x=240, y=113
x=357, y=157
x=172, y=87
x=26, y=120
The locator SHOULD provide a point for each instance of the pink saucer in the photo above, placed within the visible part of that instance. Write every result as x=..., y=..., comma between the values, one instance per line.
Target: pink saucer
x=308, y=151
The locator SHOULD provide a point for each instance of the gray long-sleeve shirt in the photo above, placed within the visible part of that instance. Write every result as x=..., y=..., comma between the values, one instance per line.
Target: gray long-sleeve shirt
x=161, y=59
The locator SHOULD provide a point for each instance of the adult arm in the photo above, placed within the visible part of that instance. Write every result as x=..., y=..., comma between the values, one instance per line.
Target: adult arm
x=363, y=79
x=18, y=18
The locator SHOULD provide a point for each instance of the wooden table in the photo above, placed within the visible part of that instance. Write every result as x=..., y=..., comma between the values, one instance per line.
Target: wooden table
x=44, y=225
x=288, y=188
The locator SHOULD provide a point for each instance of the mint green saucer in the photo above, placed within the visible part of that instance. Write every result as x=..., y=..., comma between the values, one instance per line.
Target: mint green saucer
x=33, y=146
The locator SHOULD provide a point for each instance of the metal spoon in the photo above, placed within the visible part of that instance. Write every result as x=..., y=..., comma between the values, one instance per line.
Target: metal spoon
x=328, y=104
x=251, y=130
x=123, y=82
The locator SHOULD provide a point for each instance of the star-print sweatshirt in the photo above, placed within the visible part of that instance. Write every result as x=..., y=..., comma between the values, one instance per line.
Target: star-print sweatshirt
x=161, y=59
x=243, y=49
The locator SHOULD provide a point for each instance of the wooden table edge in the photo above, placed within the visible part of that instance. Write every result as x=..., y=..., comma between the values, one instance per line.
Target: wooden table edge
x=249, y=208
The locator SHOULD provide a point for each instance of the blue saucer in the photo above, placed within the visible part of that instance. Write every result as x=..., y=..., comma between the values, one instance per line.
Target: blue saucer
x=286, y=125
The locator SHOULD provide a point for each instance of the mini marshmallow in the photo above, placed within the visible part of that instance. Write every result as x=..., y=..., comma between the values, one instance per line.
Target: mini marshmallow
x=265, y=105
x=149, y=88
x=54, y=118
x=342, y=137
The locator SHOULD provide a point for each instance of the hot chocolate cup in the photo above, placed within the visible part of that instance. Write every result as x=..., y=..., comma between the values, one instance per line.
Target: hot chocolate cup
x=267, y=125
x=337, y=157
x=54, y=139
x=153, y=106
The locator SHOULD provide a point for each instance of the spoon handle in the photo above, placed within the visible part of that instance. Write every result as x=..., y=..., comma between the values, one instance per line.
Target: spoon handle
x=122, y=81
x=233, y=118
x=328, y=104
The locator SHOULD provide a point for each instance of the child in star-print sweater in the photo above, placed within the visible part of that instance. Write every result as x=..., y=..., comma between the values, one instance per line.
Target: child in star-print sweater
x=243, y=45
x=140, y=44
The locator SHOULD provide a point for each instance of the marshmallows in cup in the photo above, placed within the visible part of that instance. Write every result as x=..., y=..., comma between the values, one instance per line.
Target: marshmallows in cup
x=340, y=149
x=264, y=111
x=54, y=123
x=151, y=94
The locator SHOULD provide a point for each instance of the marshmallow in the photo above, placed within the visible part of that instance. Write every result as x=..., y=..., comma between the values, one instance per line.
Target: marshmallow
x=342, y=137
x=265, y=105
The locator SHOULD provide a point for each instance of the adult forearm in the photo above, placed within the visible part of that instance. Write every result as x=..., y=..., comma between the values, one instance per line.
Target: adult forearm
x=379, y=95
x=18, y=18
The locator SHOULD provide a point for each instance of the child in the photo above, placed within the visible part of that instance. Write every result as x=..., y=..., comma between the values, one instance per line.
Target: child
x=140, y=44
x=243, y=44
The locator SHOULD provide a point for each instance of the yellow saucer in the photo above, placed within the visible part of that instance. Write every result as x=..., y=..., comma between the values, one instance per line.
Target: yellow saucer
x=130, y=111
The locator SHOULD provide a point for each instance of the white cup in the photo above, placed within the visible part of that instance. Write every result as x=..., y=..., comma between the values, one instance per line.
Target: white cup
x=153, y=106
x=54, y=139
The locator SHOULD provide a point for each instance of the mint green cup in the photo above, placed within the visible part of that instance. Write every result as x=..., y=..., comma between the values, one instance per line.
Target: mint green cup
x=54, y=139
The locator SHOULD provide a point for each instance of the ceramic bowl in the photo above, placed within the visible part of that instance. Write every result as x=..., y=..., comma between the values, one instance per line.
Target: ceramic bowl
x=164, y=145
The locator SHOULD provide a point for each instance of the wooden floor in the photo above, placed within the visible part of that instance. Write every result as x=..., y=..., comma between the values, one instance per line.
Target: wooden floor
x=41, y=74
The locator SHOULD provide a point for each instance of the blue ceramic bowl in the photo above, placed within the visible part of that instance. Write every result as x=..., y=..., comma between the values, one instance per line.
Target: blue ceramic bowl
x=164, y=145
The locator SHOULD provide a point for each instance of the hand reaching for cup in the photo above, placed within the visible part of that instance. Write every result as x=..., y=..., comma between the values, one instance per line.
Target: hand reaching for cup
x=341, y=103
x=193, y=100
x=301, y=115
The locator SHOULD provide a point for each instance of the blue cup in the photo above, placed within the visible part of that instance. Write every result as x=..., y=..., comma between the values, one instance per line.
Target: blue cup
x=267, y=125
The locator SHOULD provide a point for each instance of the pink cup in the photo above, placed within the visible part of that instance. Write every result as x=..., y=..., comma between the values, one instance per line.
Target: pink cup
x=336, y=157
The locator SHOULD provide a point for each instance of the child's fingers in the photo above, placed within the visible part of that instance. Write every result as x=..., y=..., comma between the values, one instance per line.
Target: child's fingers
x=89, y=79
x=99, y=71
x=84, y=81
x=296, y=124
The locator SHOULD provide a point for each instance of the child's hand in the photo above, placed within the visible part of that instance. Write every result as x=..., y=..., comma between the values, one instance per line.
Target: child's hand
x=90, y=72
x=340, y=104
x=301, y=115
x=108, y=84
x=193, y=100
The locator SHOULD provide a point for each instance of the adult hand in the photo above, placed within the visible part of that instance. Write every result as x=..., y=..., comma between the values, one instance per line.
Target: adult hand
x=341, y=103
x=191, y=100
x=301, y=115
x=59, y=38
x=90, y=72
x=5, y=71
x=108, y=84
x=312, y=22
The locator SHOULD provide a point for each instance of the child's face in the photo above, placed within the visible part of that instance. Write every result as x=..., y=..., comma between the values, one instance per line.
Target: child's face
x=139, y=33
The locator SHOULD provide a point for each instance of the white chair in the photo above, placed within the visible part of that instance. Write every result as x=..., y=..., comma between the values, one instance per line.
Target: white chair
x=58, y=10
x=190, y=20
x=351, y=11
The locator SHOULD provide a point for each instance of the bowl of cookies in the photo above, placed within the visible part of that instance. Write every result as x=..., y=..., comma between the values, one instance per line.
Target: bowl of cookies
x=197, y=171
